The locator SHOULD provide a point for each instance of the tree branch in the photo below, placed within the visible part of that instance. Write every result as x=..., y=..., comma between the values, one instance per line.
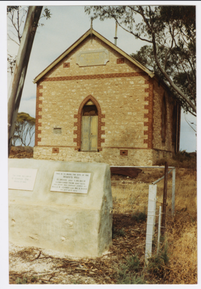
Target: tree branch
x=168, y=78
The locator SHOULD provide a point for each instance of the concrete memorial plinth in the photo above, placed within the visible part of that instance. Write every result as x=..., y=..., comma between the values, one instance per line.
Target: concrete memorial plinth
x=61, y=206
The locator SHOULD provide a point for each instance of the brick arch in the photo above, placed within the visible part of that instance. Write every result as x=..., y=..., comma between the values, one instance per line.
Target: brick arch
x=79, y=123
x=89, y=97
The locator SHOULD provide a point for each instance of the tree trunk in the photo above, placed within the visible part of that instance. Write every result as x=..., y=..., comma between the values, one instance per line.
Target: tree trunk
x=18, y=77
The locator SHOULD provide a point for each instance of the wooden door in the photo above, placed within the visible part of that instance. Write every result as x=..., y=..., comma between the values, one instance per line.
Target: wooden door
x=89, y=135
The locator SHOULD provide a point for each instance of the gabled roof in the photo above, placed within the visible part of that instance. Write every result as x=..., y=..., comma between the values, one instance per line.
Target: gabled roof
x=82, y=38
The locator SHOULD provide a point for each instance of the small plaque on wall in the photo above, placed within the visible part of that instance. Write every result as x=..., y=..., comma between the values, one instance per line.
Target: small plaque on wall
x=21, y=179
x=93, y=57
x=70, y=182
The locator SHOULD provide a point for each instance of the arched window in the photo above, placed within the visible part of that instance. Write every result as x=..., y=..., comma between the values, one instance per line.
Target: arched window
x=163, y=119
x=89, y=127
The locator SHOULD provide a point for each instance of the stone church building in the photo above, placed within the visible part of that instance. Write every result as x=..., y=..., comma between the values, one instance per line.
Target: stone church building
x=95, y=103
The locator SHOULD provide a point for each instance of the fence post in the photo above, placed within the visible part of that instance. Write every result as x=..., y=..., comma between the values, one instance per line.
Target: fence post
x=159, y=229
x=173, y=190
x=164, y=199
x=150, y=220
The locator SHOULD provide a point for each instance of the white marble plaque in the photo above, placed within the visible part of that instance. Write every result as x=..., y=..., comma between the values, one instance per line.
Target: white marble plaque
x=70, y=182
x=93, y=57
x=21, y=179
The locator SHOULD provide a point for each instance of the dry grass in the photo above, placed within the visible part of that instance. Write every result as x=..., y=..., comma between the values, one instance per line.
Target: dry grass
x=182, y=230
x=183, y=260
x=181, y=160
x=131, y=195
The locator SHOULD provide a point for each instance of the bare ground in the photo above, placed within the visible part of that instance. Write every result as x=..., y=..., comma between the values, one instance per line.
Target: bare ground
x=130, y=196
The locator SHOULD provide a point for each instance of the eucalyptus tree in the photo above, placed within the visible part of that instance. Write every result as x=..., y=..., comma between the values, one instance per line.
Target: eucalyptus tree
x=24, y=130
x=25, y=38
x=170, y=36
x=16, y=17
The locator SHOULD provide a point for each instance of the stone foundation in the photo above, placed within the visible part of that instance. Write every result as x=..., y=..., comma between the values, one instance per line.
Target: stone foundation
x=113, y=157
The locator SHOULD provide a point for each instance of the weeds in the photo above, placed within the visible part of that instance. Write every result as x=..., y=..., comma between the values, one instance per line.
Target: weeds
x=139, y=216
x=130, y=279
x=33, y=279
x=133, y=262
x=157, y=263
x=116, y=233
x=131, y=201
x=132, y=273
x=114, y=200
x=21, y=281
x=128, y=272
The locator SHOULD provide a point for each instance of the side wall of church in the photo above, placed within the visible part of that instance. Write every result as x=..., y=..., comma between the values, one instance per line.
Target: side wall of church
x=162, y=148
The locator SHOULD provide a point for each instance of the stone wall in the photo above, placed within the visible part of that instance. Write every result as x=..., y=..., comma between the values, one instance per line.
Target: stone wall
x=158, y=143
x=125, y=98
x=140, y=157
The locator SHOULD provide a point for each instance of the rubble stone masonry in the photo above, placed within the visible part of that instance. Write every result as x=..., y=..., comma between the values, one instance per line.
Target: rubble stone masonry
x=129, y=110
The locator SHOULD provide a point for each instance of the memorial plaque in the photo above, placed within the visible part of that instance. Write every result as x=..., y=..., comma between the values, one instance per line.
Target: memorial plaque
x=94, y=57
x=21, y=179
x=70, y=182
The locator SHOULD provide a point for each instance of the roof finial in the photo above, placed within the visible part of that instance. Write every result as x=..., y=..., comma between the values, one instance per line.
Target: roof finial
x=92, y=22
x=115, y=38
x=91, y=27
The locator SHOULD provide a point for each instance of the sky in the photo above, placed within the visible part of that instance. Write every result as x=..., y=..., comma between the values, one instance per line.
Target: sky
x=66, y=25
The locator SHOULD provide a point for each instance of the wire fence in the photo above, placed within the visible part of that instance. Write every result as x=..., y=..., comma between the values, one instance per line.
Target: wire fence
x=154, y=203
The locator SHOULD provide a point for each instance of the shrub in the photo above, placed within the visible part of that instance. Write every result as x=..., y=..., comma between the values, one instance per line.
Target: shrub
x=157, y=263
x=180, y=160
x=130, y=279
x=128, y=272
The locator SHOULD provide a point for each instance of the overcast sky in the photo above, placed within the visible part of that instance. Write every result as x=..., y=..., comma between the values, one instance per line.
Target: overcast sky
x=65, y=26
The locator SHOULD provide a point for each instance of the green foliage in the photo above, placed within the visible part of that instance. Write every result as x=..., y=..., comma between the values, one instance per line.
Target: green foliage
x=127, y=274
x=171, y=43
x=157, y=263
x=23, y=117
x=132, y=262
x=21, y=281
x=128, y=278
x=24, y=129
x=183, y=75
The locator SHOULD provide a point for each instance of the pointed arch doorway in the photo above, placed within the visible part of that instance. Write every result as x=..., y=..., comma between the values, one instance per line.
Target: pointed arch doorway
x=89, y=127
